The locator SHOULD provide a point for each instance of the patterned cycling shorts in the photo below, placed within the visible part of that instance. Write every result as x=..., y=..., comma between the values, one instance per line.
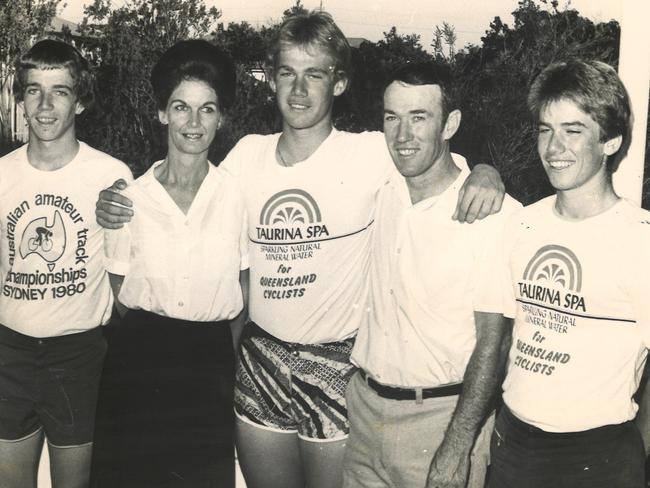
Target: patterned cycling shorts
x=293, y=388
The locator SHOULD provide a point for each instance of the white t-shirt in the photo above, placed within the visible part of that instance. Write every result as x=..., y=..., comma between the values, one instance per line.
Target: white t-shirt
x=184, y=266
x=428, y=275
x=309, y=231
x=52, y=260
x=579, y=293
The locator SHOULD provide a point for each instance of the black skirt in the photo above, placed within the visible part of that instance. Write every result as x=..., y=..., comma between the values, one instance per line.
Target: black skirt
x=165, y=409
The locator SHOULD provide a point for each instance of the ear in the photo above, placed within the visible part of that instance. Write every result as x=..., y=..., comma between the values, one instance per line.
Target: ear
x=79, y=108
x=613, y=145
x=340, y=85
x=272, y=83
x=451, y=125
x=162, y=116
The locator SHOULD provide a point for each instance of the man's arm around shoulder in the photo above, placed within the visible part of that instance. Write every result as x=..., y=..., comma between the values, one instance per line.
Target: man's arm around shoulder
x=451, y=462
x=112, y=209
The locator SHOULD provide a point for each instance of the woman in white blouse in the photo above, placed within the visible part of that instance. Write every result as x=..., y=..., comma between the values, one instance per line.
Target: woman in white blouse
x=178, y=270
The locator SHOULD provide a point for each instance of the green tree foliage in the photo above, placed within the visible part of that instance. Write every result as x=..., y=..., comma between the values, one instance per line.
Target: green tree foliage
x=492, y=79
x=360, y=108
x=493, y=82
x=297, y=9
x=21, y=21
x=124, y=121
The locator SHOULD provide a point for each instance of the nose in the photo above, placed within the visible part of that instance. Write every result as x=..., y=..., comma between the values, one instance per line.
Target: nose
x=45, y=102
x=404, y=131
x=195, y=119
x=299, y=86
x=555, y=145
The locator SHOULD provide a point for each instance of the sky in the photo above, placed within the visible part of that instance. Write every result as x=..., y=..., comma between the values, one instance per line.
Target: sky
x=371, y=18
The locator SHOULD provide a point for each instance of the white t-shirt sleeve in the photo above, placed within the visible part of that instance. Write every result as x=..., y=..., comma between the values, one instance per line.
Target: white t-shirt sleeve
x=243, y=243
x=117, y=250
x=234, y=160
x=117, y=246
x=489, y=271
x=372, y=149
x=640, y=284
x=505, y=273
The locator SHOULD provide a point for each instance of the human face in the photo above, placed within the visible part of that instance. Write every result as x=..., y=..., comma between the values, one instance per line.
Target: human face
x=569, y=145
x=50, y=104
x=192, y=116
x=413, y=127
x=305, y=84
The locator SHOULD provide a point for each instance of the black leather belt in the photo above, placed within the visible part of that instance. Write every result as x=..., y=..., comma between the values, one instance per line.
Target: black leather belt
x=396, y=393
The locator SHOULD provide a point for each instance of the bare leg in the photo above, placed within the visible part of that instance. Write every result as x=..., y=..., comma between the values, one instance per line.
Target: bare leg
x=70, y=466
x=19, y=461
x=323, y=463
x=268, y=459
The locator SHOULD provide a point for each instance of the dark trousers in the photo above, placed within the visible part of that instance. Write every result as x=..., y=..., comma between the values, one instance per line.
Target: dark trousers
x=165, y=410
x=606, y=457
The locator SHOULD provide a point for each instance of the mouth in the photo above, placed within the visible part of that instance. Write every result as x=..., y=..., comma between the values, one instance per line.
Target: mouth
x=298, y=106
x=192, y=136
x=46, y=120
x=559, y=165
x=406, y=152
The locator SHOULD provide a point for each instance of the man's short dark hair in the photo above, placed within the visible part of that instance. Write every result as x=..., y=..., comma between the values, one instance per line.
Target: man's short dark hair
x=597, y=89
x=428, y=73
x=194, y=60
x=315, y=29
x=53, y=54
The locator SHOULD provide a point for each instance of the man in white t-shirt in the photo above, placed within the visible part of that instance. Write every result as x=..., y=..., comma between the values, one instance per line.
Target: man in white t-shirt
x=309, y=193
x=577, y=268
x=430, y=348
x=55, y=292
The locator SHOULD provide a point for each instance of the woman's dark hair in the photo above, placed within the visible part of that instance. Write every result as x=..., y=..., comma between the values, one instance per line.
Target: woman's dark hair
x=194, y=60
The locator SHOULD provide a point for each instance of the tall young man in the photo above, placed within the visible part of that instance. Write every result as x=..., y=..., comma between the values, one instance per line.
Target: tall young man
x=578, y=267
x=309, y=193
x=430, y=350
x=55, y=293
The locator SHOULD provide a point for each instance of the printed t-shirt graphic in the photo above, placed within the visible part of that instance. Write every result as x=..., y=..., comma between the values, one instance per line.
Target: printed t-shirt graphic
x=581, y=328
x=51, y=265
x=309, y=230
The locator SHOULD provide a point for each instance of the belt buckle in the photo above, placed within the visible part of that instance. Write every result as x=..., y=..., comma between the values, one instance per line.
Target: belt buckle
x=418, y=396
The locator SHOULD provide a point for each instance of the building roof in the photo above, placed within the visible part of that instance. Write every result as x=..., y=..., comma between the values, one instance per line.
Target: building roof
x=356, y=41
x=57, y=24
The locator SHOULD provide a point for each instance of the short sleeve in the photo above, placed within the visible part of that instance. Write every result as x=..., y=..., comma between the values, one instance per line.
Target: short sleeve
x=117, y=248
x=233, y=161
x=491, y=271
x=507, y=281
x=243, y=243
x=372, y=150
x=639, y=285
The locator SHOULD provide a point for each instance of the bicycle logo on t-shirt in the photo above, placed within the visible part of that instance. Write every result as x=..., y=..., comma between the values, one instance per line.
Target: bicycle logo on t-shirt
x=47, y=240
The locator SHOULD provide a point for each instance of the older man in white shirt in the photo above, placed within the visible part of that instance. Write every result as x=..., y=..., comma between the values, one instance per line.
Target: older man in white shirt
x=430, y=352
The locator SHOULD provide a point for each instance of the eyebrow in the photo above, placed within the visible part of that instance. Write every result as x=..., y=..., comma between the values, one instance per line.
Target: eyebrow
x=209, y=102
x=418, y=111
x=58, y=87
x=564, y=124
x=308, y=70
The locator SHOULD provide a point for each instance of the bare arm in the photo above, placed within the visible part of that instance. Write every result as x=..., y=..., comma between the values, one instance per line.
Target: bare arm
x=481, y=195
x=116, y=285
x=113, y=209
x=450, y=465
x=237, y=324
